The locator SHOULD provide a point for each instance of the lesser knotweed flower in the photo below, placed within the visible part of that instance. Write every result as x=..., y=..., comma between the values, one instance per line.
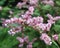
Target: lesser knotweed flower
x=46, y=38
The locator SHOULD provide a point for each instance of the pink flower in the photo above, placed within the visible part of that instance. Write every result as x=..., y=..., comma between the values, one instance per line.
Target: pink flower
x=30, y=11
x=55, y=37
x=46, y=38
x=50, y=16
x=31, y=8
x=52, y=20
x=48, y=26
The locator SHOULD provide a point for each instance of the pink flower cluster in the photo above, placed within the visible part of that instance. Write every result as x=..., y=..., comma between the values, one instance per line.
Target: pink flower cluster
x=35, y=22
x=55, y=36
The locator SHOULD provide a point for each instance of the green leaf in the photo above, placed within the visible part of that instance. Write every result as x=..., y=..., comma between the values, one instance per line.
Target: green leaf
x=46, y=7
x=56, y=28
x=58, y=3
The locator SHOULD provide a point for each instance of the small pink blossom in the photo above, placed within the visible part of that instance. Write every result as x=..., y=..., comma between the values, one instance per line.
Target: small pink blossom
x=50, y=16
x=55, y=37
x=52, y=20
x=31, y=8
x=46, y=38
x=48, y=26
